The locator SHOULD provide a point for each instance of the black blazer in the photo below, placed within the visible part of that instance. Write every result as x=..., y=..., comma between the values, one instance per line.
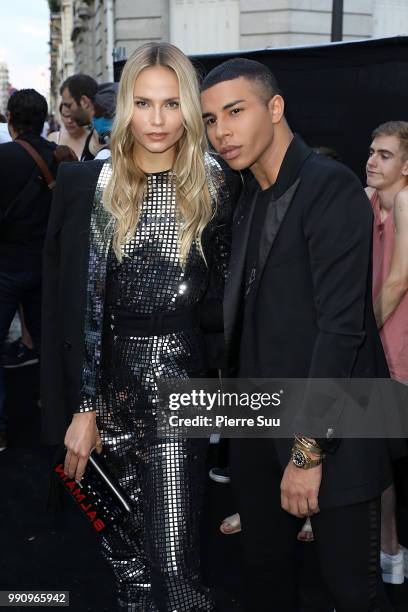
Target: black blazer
x=64, y=295
x=312, y=305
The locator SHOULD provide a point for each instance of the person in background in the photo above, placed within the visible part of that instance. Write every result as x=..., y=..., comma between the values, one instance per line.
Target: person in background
x=46, y=129
x=4, y=133
x=78, y=94
x=53, y=123
x=82, y=141
x=104, y=108
x=24, y=210
x=94, y=106
x=387, y=188
x=70, y=133
x=21, y=352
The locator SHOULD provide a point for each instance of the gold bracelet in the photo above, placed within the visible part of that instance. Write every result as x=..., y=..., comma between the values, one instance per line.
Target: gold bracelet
x=308, y=446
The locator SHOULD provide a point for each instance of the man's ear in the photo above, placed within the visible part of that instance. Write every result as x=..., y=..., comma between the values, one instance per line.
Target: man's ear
x=276, y=106
x=13, y=133
x=405, y=169
x=85, y=102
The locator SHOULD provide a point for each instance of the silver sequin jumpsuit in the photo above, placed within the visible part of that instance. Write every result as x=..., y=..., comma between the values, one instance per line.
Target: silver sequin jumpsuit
x=155, y=555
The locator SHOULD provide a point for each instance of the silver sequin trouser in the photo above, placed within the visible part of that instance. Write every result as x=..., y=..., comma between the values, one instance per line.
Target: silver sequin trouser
x=155, y=554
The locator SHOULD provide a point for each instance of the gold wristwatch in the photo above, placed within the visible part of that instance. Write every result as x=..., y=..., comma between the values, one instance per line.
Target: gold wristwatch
x=302, y=460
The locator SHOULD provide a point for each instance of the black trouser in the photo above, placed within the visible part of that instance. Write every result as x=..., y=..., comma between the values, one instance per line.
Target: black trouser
x=19, y=287
x=347, y=540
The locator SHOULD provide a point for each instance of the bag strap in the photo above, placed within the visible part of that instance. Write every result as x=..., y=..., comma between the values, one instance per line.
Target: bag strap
x=45, y=171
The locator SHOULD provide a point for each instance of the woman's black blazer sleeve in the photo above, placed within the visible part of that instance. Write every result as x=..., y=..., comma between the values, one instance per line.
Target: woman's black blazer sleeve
x=52, y=376
x=65, y=268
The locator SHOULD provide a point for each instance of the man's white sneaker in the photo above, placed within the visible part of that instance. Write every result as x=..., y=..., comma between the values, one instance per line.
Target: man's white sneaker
x=392, y=567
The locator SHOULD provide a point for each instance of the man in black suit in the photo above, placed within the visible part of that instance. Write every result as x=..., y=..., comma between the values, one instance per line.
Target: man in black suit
x=298, y=305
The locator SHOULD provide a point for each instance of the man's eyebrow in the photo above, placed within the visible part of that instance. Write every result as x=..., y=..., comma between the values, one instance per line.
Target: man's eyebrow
x=225, y=107
x=382, y=151
x=230, y=104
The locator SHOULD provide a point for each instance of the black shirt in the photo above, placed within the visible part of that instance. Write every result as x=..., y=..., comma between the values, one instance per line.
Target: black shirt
x=261, y=204
x=22, y=232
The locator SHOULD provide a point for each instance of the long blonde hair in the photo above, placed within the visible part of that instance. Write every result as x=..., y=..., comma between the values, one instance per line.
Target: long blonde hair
x=124, y=193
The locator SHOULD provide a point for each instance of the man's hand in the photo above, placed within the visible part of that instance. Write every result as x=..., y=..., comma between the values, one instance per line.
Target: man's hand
x=300, y=490
x=81, y=438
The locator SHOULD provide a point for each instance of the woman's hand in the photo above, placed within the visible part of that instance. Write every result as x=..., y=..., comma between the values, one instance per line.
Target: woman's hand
x=81, y=438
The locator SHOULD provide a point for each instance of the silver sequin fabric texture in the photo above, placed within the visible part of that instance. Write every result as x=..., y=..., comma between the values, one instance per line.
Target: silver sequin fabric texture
x=155, y=554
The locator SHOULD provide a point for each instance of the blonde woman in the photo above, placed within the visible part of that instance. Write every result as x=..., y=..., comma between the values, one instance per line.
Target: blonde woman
x=131, y=247
x=71, y=134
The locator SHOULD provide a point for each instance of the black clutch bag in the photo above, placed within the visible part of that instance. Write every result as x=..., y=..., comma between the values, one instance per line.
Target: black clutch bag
x=98, y=496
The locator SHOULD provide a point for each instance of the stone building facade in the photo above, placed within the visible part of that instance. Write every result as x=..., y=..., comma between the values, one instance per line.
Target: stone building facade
x=86, y=34
x=4, y=86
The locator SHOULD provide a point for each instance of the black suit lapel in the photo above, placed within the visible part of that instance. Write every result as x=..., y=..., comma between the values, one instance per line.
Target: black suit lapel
x=275, y=215
x=233, y=286
x=284, y=191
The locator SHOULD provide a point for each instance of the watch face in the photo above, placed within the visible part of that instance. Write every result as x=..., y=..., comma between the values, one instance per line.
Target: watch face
x=298, y=458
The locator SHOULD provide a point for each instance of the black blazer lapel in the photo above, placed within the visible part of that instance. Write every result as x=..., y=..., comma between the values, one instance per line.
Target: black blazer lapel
x=284, y=191
x=273, y=221
x=233, y=286
x=100, y=237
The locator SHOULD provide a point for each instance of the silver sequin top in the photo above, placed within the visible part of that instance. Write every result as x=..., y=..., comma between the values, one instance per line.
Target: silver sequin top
x=150, y=278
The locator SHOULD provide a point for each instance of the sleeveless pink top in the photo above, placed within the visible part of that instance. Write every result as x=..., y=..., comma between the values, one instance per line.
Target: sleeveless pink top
x=394, y=333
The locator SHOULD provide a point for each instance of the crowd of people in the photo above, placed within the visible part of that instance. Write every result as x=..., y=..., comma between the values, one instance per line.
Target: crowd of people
x=203, y=221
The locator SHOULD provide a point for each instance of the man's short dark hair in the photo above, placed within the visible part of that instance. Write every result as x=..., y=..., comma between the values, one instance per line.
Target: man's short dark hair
x=80, y=85
x=3, y=118
x=249, y=69
x=28, y=110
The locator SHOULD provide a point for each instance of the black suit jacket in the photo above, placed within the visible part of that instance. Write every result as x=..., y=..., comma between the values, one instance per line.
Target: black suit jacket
x=312, y=305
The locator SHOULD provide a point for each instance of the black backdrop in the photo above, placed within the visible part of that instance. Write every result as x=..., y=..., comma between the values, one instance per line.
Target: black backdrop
x=335, y=94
